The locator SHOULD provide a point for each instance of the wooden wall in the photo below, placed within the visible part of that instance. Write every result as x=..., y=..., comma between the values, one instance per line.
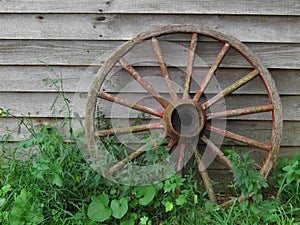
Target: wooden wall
x=40, y=39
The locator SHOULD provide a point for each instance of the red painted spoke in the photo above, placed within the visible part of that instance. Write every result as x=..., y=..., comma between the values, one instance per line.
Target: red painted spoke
x=240, y=138
x=211, y=71
x=189, y=67
x=171, y=144
x=231, y=88
x=130, y=104
x=205, y=177
x=240, y=112
x=219, y=154
x=129, y=158
x=136, y=154
x=148, y=87
x=132, y=129
x=180, y=160
x=163, y=69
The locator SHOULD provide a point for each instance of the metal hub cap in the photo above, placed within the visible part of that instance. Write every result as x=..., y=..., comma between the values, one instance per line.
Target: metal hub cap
x=184, y=119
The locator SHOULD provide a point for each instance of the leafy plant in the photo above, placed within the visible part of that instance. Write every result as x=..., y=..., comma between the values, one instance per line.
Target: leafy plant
x=25, y=210
x=119, y=207
x=247, y=179
x=244, y=213
x=99, y=210
x=287, y=175
x=54, y=185
x=3, y=202
x=145, y=194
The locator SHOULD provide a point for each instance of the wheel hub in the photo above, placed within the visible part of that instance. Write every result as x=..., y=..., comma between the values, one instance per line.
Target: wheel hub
x=184, y=119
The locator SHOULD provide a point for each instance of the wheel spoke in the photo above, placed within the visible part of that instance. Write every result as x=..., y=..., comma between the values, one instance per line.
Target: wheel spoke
x=211, y=71
x=148, y=87
x=136, y=154
x=171, y=144
x=219, y=154
x=189, y=67
x=163, y=69
x=240, y=138
x=180, y=159
x=131, y=129
x=240, y=112
x=129, y=158
x=231, y=88
x=130, y=104
x=205, y=177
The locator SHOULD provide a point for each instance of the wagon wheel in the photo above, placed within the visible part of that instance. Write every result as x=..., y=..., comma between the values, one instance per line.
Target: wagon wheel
x=183, y=119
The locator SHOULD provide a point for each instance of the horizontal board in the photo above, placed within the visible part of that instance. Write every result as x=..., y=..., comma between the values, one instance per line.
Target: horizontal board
x=87, y=53
x=290, y=106
x=126, y=26
x=76, y=79
x=39, y=104
x=266, y=7
x=35, y=104
x=40, y=78
x=256, y=130
x=254, y=153
x=287, y=81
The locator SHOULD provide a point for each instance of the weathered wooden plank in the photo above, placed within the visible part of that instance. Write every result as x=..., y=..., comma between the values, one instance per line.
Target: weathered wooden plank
x=11, y=129
x=255, y=129
x=287, y=81
x=39, y=104
x=254, y=7
x=54, y=52
x=126, y=26
x=85, y=53
x=32, y=78
x=35, y=104
x=38, y=78
x=254, y=153
x=262, y=130
x=291, y=106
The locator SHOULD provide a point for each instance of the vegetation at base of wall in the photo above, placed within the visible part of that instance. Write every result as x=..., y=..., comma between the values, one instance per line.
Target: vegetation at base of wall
x=46, y=180
x=54, y=185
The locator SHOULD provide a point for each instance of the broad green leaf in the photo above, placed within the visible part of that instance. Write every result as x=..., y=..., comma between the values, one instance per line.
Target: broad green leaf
x=55, y=167
x=129, y=219
x=57, y=180
x=145, y=193
x=119, y=207
x=24, y=210
x=98, y=210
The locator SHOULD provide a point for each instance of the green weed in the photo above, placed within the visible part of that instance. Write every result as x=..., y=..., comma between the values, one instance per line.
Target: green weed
x=55, y=185
x=246, y=179
x=287, y=175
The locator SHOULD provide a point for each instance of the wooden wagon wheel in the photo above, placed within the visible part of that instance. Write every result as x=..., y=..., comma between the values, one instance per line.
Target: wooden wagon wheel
x=183, y=118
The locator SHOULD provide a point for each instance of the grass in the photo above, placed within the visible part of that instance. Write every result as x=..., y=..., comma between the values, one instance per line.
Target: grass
x=55, y=185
